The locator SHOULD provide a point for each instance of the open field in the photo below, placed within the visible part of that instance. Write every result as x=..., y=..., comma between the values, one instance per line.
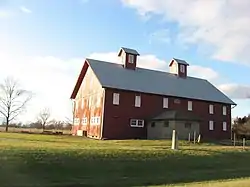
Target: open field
x=47, y=160
x=31, y=130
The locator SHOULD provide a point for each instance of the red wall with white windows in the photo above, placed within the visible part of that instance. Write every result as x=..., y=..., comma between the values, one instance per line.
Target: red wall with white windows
x=116, y=121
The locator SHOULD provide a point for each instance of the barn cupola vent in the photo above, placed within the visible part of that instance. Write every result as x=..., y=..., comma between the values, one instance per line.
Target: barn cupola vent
x=128, y=57
x=178, y=67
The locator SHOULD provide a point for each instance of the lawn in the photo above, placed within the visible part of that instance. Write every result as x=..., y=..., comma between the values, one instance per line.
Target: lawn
x=46, y=160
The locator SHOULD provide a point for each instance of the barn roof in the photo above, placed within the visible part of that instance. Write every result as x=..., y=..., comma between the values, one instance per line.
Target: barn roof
x=112, y=75
x=128, y=50
x=180, y=61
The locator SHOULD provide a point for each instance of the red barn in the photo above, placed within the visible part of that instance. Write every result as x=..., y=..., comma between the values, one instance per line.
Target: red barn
x=123, y=101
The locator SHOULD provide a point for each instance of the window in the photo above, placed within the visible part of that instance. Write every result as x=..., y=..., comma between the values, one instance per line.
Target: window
x=84, y=121
x=166, y=123
x=177, y=101
x=224, y=110
x=211, y=125
x=137, y=101
x=95, y=121
x=153, y=124
x=211, y=109
x=182, y=68
x=165, y=102
x=131, y=59
x=76, y=121
x=190, y=105
x=188, y=125
x=224, y=126
x=136, y=123
x=116, y=98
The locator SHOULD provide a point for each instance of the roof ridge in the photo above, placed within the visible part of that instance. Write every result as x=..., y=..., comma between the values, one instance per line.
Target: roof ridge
x=101, y=61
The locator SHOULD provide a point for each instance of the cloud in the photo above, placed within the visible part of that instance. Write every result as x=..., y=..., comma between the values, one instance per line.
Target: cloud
x=25, y=10
x=5, y=14
x=51, y=79
x=218, y=25
x=152, y=62
x=236, y=91
x=162, y=36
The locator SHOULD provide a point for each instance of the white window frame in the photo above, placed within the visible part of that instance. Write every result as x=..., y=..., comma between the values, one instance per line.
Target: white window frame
x=137, y=101
x=224, y=110
x=211, y=109
x=95, y=120
x=135, y=123
x=76, y=121
x=182, y=68
x=131, y=58
x=224, y=126
x=165, y=102
x=190, y=105
x=116, y=98
x=211, y=125
x=84, y=120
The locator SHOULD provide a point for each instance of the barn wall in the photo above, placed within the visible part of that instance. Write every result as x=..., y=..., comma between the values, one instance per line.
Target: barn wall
x=117, y=117
x=89, y=106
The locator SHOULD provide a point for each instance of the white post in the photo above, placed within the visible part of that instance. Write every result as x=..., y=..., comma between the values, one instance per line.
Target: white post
x=174, y=140
x=194, y=137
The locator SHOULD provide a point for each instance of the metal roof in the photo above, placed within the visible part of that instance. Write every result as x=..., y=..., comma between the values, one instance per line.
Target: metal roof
x=114, y=75
x=127, y=50
x=179, y=61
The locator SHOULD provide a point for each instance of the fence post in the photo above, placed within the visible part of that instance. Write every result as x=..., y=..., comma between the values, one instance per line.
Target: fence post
x=189, y=137
x=234, y=139
x=244, y=143
x=194, y=136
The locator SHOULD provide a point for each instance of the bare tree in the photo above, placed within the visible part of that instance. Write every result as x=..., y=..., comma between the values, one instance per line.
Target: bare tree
x=13, y=100
x=43, y=117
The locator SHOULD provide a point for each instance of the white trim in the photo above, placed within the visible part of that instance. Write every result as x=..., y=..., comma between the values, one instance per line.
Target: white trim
x=76, y=121
x=224, y=110
x=102, y=118
x=211, y=125
x=84, y=121
x=190, y=105
x=135, y=123
x=95, y=120
x=224, y=126
x=165, y=102
x=211, y=109
x=116, y=98
x=137, y=101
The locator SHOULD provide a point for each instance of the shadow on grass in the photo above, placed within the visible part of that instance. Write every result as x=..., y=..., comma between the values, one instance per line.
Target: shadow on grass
x=124, y=169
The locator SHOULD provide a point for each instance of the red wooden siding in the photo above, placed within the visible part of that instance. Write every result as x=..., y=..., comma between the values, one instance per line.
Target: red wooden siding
x=89, y=103
x=117, y=117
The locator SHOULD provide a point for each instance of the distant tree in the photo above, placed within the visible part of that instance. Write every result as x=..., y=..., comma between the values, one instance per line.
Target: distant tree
x=43, y=117
x=13, y=100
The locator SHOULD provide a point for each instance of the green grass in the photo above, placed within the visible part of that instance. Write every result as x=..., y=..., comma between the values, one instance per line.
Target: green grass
x=46, y=160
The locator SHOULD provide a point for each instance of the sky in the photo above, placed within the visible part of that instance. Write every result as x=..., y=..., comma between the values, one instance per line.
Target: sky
x=43, y=43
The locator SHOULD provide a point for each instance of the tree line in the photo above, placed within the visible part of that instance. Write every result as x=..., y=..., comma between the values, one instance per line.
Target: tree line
x=241, y=126
x=13, y=102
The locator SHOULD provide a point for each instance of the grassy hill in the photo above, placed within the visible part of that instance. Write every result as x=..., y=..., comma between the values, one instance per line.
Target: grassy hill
x=46, y=160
